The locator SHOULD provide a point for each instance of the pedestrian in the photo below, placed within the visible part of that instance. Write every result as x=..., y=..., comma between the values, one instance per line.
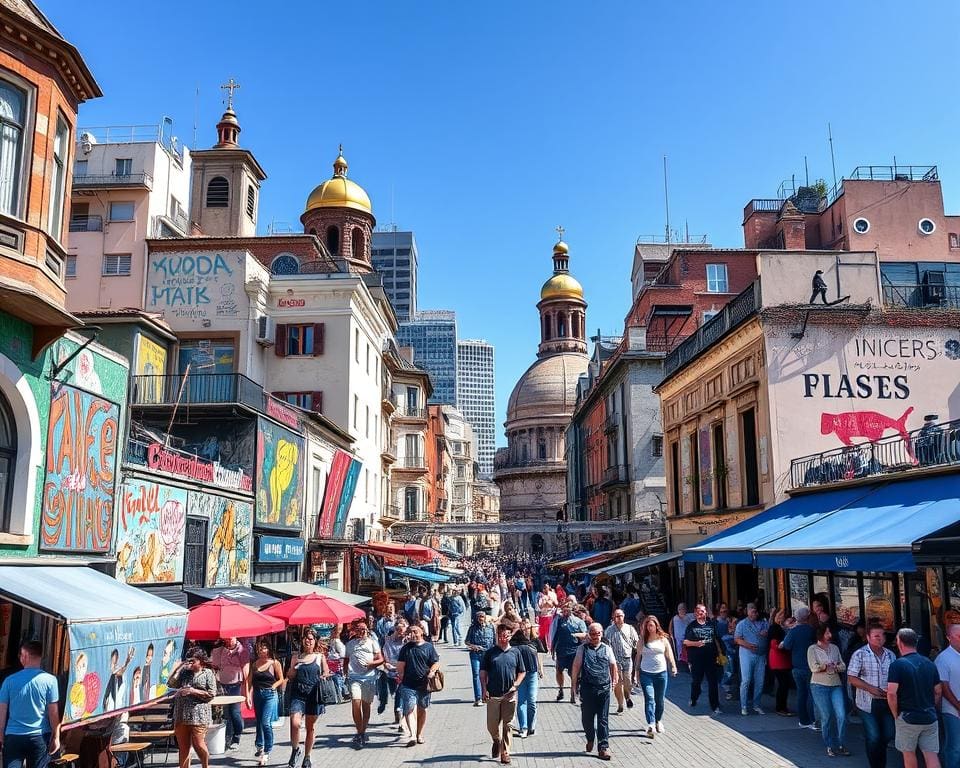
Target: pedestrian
x=868, y=673
x=779, y=662
x=456, y=610
x=751, y=637
x=388, y=683
x=595, y=670
x=623, y=641
x=410, y=608
x=304, y=673
x=546, y=607
x=229, y=660
x=913, y=693
x=701, y=642
x=385, y=623
x=631, y=605
x=602, y=609
x=29, y=712
x=480, y=637
x=948, y=666
x=567, y=631
x=823, y=658
x=363, y=658
x=730, y=677
x=417, y=664
x=501, y=674
x=196, y=685
x=264, y=677
x=678, y=631
x=525, y=640
x=335, y=652
x=655, y=658
x=430, y=613
x=800, y=637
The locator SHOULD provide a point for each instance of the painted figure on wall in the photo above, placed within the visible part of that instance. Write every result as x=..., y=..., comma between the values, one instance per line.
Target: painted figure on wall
x=114, y=694
x=150, y=533
x=230, y=528
x=279, y=461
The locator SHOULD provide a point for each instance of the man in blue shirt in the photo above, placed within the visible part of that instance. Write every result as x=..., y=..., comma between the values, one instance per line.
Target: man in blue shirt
x=798, y=639
x=751, y=636
x=568, y=633
x=480, y=638
x=29, y=715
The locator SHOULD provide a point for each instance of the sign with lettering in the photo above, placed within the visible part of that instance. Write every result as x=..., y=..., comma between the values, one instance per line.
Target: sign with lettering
x=195, y=285
x=193, y=467
x=283, y=413
x=280, y=549
x=285, y=302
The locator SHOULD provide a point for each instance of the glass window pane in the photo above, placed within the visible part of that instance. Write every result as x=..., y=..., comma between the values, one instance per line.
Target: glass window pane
x=799, y=590
x=11, y=103
x=879, y=605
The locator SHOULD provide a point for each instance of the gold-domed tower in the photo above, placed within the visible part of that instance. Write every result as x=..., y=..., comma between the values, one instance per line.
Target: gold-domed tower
x=562, y=308
x=338, y=211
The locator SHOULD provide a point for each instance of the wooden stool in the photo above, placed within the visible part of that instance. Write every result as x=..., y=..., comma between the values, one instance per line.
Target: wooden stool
x=67, y=759
x=134, y=748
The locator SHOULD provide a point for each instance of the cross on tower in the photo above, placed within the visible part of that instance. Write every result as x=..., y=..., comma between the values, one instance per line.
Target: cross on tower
x=230, y=86
x=560, y=231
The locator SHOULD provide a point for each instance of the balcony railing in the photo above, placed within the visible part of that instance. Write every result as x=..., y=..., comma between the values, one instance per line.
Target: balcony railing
x=933, y=445
x=86, y=223
x=85, y=181
x=198, y=389
x=521, y=463
x=414, y=516
x=615, y=475
x=885, y=173
x=919, y=295
x=735, y=312
x=412, y=462
x=391, y=512
x=403, y=412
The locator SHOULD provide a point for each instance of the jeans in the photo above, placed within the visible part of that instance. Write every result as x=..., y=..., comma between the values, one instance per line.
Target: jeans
x=527, y=702
x=234, y=716
x=387, y=686
x=444, y=623
x=595, y=714
x=753, y=667
x=709, y=669
x=455, y=627
x=950, y=754
x=801, y=677
x=29, y=750
x=831, y=709
x=878, y=732
x=265, y=708
x=782, y=677
x=475, y=659
x=654, y=685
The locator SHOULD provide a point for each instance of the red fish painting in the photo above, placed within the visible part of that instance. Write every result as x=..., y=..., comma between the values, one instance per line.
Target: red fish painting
x=868, y=424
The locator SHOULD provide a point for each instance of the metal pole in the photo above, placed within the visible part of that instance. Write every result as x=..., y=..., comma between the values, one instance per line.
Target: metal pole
x=833, y=160
x=666, y=200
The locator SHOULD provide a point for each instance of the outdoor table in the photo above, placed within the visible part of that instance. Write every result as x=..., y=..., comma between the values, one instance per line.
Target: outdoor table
x=134, y=748
x=222, y=701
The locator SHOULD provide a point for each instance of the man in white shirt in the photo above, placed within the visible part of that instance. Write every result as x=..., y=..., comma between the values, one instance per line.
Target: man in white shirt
x=948, y=665
x=363, y=657
x=867, y=672
x=623, y=641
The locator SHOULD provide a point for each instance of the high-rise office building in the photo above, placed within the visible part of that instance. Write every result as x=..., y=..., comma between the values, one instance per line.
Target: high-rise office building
x=395, y=258
x=433, y=336
x=475, y=397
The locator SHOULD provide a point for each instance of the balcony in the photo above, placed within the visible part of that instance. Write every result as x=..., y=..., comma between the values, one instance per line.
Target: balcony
x=388, y=455
x=614, y=476
x=86, y=223
x=921, y=295
x=414, y=516
x=411, y=463
x=611, y=423
x=142, y=180
x=885, y=173
x=410, y=414
x=390, y=515
x=933, y=445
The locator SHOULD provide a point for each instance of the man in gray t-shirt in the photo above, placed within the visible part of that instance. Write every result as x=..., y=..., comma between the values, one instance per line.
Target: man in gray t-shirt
x=363, y=657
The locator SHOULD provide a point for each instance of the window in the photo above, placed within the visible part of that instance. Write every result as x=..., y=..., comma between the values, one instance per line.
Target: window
x=123, y=166
x=356, y=410
x=356, y=346
x=195, y=553
x=413, y=399
x=367, y=423
x=58, y=183
x=71, y=266
x=8, y=461
x=411, y=506
x=299, y=399
x=13, y=110
x=412, y=446
x=954, y=240
x=117, y=264
x=717, y=278
x=709, y=314
x=656, y=446
x=218, y=192
x=333, y=240
x=121, y=211
x=300, y=339
x=80, y=168
x=251, y=202
x=285, y=264
x=368, y=359
x=750, y=474
x=366, y=485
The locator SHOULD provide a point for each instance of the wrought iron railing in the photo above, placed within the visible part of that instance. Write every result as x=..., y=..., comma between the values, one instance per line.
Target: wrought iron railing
x=198, y=389
x=142, y=179
x=885, y=173
x=86, y=223
x=410, y=413
x=616, y=474
x=412, y=462
x=927, y=295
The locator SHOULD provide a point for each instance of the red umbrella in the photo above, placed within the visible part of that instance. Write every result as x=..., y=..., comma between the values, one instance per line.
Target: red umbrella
x=314, y=609
x=221, y=618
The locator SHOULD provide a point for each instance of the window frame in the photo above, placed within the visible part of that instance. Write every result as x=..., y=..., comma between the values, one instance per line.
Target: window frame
x=133, y=210
x=25, y=144
x=119, y=262
x=226, y=193
x=301, y=340
x=126, y=169
x=11, y=454
x=715, y=279
x=58, y=179
x=68, y=273
x=251, y=203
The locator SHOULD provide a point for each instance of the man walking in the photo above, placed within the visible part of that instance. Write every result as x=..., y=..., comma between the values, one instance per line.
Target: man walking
x=456, y=610
x=800, y=637
x=29, y=715
x=363, y=657
x=700, y=639
x=229, y=660
x=567, y=634
x=595, y=669
x=750, y=635
x=623, y=641
x=417, y=663
x=868, y=672
x=913, y=693
x=388, y=682
x=480, y=637
x=501, y=673
x=948, y=665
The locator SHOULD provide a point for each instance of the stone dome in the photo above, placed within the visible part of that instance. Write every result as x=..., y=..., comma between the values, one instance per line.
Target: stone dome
x=547, y=388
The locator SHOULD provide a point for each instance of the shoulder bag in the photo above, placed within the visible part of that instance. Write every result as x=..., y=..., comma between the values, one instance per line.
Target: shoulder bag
x=328, y=691
x=435, y=683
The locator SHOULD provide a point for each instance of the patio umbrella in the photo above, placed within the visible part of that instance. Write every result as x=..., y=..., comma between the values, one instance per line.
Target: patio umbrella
x=314, y=609
x=221, y=618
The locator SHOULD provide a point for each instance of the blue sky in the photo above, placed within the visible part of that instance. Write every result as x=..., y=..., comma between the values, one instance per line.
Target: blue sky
x=483, y=126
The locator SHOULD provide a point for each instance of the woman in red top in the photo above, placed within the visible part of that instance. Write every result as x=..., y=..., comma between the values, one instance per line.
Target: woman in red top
x=779, y=662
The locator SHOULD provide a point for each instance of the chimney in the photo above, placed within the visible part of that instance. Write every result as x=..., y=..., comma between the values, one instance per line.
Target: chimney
x=791, y=228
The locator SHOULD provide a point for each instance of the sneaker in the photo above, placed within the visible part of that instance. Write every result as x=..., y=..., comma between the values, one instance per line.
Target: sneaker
x=660, y=728
x=307, y=763
x=523, y=733
x=744, y=711
x=629, y=703
x=650, y=732
x=758, y=711
x=366, y=738
x=531, y=732
x=560, y=695
x=234, y=746
x=357, y=742
x=259, y=752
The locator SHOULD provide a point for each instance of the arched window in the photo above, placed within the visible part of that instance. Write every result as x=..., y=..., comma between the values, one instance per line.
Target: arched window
x=524, y=456
x=411, y=503
x=546, y=327
x=8, y=461
x=357, y=243
x=285, y=264
x=218, y=192
x=561, y=326
x=333, y=240
x=536, y=544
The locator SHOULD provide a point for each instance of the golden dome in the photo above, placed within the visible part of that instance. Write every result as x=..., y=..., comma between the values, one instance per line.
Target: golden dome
x=561, y=286
x=561, y=247
x=339, y=191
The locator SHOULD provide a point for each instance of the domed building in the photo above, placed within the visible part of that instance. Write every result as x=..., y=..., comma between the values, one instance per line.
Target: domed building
x=531, y=471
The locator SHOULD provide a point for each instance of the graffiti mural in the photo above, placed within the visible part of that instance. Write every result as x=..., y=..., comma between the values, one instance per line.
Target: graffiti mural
x=230, y=529
x=150, y=533
x=192, y=285
x=78, y=491
x=151, y=361
x=279, y=472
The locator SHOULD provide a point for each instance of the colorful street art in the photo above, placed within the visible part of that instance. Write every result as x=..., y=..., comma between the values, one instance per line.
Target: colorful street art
x=341, y=484
x=346, y=498
x=279, y=472
x=150, y=533
x=706, y=467
x=78, y=491
x=230, y=529
x=151, y=361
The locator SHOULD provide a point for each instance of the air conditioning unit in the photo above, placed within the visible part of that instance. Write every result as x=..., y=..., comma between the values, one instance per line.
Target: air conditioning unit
x=265, y=331
x=934, y=287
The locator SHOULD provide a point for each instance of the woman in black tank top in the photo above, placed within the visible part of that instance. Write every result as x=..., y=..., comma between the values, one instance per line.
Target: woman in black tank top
x=264, y=676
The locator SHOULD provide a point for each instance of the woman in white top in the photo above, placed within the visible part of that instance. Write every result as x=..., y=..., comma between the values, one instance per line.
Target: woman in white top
x=678, y=628
x=656, y=656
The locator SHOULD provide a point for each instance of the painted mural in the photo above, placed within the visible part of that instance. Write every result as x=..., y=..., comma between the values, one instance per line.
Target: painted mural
x=279, y=476
x=150, y=533
x=229, y=531
x=338, y=496
x=151, y=361
x=81, y=457
x=706, y=466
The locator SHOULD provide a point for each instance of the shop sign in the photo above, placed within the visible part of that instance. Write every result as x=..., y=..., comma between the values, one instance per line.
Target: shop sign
x=280, y=549
x=192, y=467
x=291, y=302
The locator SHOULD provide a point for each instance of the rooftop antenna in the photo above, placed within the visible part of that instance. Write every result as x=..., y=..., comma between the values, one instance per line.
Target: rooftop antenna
x=196, y=115
x=806, y=171
x=833, y=160
x=666, y=200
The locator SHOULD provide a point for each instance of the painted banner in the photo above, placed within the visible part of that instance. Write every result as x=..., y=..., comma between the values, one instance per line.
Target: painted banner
x=116, y=665
x=229, y=531
x=706, y=467
x=280, y=549
x=346, y=498
x=151, y=361
x=150, y=533
x=331, y=498
x=78, y=491
x=279, y=472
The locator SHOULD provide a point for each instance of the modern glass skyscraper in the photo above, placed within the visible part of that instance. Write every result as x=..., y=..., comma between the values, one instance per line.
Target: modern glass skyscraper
x=394, y=256
x=475, y=397
x=433, y=336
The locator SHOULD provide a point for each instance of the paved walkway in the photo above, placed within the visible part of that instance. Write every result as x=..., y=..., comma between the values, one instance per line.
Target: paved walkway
x=456, y=735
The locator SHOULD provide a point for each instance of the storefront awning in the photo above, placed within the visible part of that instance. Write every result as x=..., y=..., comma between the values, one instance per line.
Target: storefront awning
x=736, y=544
x=564, y=564
x=250, y=597
x=874, y=533
x=415, y=573
x=400, y=550
x=637, y=564
x=300, y=588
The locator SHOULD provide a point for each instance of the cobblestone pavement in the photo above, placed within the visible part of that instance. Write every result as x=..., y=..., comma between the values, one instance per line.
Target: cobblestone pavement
x=456, y=735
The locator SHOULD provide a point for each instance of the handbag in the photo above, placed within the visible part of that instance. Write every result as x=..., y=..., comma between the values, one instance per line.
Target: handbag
x=721, y=656
x=328, y=692
x=435, y=683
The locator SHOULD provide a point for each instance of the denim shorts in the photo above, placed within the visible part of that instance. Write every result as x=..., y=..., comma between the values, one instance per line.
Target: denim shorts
x=411, y=697
x=308, y=708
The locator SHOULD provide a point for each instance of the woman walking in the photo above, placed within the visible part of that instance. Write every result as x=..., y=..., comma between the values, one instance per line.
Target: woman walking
x=656, y=657
x=530, y=647
x=196, y=685
x=678, y=628
x=779, y=662
x=825, y=663
x=264, y=676
x=305, y=672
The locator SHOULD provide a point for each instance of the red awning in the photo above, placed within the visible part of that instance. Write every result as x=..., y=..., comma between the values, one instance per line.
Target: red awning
x=401, y=551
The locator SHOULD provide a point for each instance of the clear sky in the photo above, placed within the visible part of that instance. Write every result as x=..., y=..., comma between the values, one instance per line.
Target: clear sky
x=482, y=126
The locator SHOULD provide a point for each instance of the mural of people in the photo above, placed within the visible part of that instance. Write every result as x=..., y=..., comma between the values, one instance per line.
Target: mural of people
x=147, y=693
x=230, y=527
x=167, y=660
x=114, y=693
